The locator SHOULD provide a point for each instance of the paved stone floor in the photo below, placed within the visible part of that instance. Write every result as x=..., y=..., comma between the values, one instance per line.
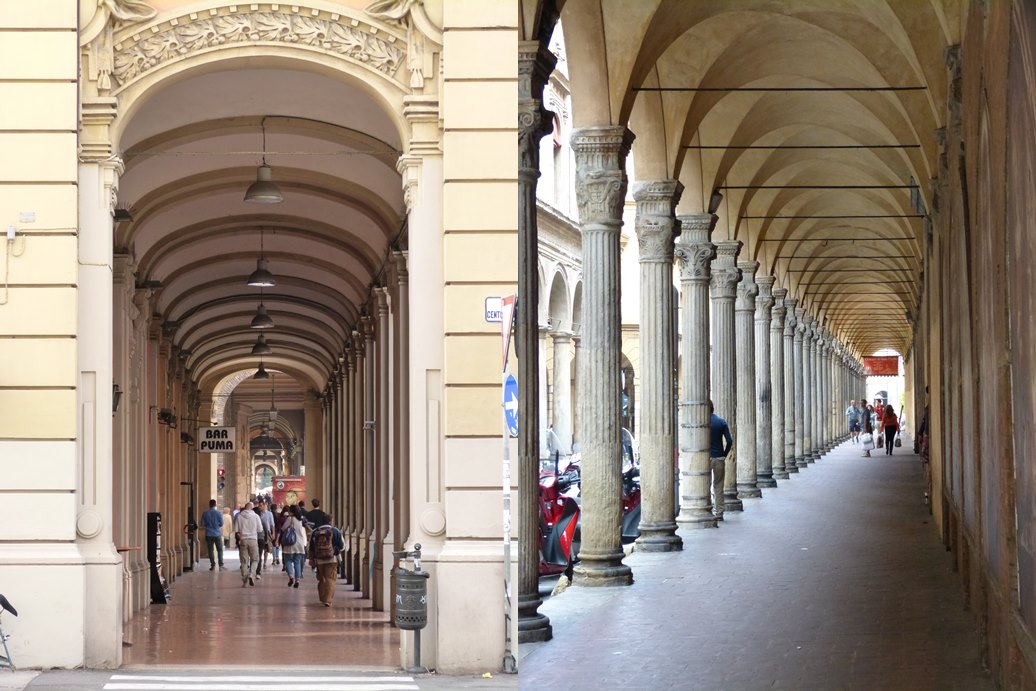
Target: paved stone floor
x=836, y=579
x=212, y=620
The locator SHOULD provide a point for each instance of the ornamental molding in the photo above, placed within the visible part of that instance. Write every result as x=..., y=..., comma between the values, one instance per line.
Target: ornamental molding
x=655, y=222
x=600, y=154
x=747, y=290
x=140, y=48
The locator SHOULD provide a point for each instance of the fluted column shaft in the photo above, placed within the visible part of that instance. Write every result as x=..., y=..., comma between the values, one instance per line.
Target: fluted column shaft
x=600, y=154
x=828, y=390
x=655, y=225
x=369, y=439
x=535, y=63
x=799, y=407
x=764, y=384
x=359, y=490
x=723, y=285
x=814, y=395
x=792, y=447
x=744, y=343
x=777, y=402
x=695, y=254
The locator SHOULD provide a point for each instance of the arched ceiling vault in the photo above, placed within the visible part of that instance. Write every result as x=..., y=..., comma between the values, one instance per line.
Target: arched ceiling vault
x=817, y=119
x=191, y=149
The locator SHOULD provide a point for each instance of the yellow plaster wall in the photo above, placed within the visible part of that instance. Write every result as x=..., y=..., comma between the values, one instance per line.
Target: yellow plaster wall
x=38, y=174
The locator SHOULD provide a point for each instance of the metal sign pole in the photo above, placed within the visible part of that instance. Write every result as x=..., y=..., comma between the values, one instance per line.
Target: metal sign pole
x=509, y=664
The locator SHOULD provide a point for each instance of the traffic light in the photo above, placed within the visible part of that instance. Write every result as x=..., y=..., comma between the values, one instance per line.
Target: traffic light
x=221, y=479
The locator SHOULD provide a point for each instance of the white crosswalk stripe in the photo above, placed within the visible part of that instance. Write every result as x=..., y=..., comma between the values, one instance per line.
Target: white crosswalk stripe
x=230, y=682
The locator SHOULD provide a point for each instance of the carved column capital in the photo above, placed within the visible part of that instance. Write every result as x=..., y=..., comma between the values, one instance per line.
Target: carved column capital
x=601, y=175
x=764, y=301
x=693, y=249
x=779, y=310
x=725, y=274
x=747, y=290
x=656, y=223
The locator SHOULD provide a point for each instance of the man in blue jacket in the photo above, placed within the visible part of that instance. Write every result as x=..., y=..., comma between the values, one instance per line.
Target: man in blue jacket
x=720, y=443
x=212, y=522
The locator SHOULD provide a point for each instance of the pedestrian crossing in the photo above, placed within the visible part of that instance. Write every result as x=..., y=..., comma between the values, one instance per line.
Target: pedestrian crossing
x=267, y=682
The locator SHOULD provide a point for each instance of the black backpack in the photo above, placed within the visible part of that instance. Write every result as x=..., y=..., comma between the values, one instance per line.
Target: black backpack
x=323, y=543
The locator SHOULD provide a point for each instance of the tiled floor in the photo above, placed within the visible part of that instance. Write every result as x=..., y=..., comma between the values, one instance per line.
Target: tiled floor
x=836, y=579
x=212, y=620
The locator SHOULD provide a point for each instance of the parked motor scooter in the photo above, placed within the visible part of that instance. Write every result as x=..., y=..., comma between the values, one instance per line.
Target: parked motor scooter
x=559, y=521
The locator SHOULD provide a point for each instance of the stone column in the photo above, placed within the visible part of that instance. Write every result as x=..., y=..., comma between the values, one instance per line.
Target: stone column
x=655, y=224
x=797, y=407
x=601, y=192
x=828, y=437
x=535, y=63
x=562, y=419
x=541, y=387
x=814, y=393
x=695, y=254
x=777, y=371
x=383, y=460
x=723, y=284
x=763, y=384
x=403, y=392
x=369, y=472
x=744, y=343
x=359, y=490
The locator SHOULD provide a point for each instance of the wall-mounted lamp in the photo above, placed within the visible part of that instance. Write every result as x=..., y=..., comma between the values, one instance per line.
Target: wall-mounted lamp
x=714, y=201
x=187, y=439
x=167, y=417
x=116, y=398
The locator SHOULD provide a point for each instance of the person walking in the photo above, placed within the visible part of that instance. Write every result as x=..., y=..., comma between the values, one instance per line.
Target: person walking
x=212, y=522
x=324, y=547
x=265, y=536
x=889, y=426
x=249, y=527
x=852, y=414
x=720, y=443
x=293, y=546
x=868, y=431
x=316, y=515
x=228, y=527
x=274, y=532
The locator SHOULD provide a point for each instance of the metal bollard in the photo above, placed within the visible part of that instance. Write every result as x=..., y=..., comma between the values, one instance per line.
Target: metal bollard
x=412, y=601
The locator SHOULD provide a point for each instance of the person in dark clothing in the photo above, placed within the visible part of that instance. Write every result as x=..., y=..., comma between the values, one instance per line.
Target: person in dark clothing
x=316, y=516
x=212, y=522
x=720, y=443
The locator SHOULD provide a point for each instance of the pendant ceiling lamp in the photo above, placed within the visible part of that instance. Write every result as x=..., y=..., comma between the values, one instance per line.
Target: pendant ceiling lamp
x=261, y=320
x=273, y=406
x=261, y=347
x=264, y=190
x=261, y=373
x=261, y=277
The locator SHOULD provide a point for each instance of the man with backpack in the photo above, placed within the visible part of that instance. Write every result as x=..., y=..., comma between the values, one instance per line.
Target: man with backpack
x=324, y=547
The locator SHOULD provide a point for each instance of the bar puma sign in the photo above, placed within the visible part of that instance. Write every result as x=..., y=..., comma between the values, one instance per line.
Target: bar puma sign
x=217, y=440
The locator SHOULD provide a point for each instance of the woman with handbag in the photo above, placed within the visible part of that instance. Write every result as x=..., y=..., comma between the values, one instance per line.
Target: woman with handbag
x=867, y=438
x=889, y=427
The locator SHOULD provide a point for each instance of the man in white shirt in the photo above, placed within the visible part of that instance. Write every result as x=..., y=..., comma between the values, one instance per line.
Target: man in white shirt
x=248, y=526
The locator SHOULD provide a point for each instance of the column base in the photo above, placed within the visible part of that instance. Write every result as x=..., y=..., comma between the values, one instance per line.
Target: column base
x=659, y=537
x=732, y=502
x=800, y=462
x=533, y=627
x=780, y=475
x=790, y=467
x=767, y=479
x=694, y=519
x=749, y=491
x=602, y=570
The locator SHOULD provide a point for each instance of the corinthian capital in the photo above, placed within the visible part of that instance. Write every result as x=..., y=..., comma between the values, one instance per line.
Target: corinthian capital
x=764, y=301
x=747, y=290
x=656, y=222
x=725, y=274
x=601, y=173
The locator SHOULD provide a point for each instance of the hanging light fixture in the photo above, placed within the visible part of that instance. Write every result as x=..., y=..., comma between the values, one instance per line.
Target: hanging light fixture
x=261, y=373
x=273, y=406
x=261, y=347
x=261, y=277
x=263, y=190
x=261, y=320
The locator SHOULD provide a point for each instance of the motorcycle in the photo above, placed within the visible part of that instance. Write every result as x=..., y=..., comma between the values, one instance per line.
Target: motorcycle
x=559, y=521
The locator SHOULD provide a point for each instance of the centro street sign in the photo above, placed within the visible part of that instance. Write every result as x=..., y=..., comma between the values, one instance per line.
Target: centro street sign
x=511, y=404
x=217, y=440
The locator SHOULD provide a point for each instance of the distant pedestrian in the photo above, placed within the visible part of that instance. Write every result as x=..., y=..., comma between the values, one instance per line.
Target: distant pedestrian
x=265, y=537
x=868, y=431
x=889, y=426
x=274, y=525
x=249, y=527
x=228, y=527
x=720, y=443
x=293, y=546
x=327, y=543
x=212, y=522
x=852, y=414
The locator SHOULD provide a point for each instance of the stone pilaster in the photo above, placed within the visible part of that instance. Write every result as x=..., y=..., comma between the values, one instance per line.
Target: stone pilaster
x=744, y=343
x=535, y=63
x=723, y=284
x=763, y=384
x=797, y=406
x=562, y=408
x=695, y=254
x=655, y=225
x=777, y=372
x=600, y=154
x=382, y=460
